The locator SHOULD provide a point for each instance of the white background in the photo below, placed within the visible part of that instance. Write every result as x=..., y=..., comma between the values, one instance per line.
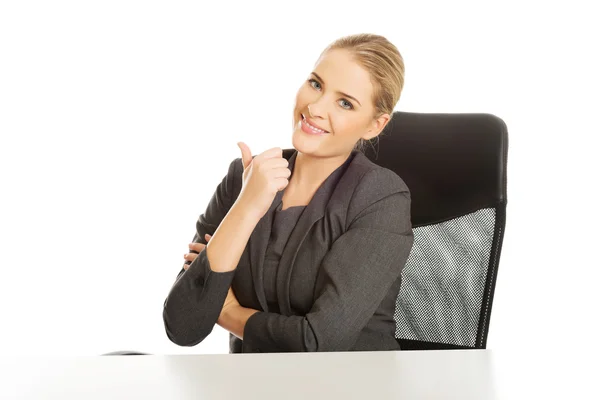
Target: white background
x=119, y=118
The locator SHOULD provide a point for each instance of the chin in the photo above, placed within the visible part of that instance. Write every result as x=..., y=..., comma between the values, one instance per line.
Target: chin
x=305, y=145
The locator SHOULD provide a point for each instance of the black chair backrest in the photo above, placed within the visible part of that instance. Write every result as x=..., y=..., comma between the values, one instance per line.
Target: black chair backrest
x=455, y=168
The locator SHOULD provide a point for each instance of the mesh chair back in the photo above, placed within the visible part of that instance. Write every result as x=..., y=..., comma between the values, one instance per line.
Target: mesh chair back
x=455, y=168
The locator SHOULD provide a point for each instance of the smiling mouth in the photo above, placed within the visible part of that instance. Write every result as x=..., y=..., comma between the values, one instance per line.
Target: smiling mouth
x=315, y=129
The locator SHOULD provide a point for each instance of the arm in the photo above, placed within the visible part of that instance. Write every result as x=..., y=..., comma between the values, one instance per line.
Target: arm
x=197, y=296
x=358, y=271
x=234, y=318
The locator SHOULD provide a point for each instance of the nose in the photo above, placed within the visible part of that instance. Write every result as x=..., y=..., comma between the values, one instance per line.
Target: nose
x=314, y=110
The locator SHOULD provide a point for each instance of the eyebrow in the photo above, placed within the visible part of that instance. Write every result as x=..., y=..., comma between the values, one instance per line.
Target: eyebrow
x=342, y=93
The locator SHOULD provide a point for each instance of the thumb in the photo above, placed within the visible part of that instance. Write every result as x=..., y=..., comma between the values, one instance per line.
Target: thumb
x=246, y=154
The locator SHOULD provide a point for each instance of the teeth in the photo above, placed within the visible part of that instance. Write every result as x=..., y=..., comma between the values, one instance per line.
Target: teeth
x=312, y=127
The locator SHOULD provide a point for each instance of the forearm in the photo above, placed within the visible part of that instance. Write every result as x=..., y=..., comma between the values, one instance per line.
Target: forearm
x=197, y=297
x=230, y=239
x=272, y=332
x=234, y=319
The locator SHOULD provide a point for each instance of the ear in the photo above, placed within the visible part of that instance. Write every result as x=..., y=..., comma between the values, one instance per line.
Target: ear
x=377, y=126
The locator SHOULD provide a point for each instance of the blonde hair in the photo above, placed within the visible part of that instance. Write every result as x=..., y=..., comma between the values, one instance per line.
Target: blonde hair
x=385, y=65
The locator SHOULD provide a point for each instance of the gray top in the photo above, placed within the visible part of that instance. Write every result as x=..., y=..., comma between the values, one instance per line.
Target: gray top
x=283, y=224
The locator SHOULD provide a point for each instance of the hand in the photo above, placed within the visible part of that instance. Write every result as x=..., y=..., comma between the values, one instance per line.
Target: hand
x=196, y=247
x=263, y=176
x=233, y=316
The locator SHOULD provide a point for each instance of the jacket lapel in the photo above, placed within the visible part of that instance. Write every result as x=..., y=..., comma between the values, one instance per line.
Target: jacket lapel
x=314, y=211
x=259, y=239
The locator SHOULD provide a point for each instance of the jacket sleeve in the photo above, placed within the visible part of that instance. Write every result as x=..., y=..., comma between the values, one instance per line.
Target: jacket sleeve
x=358, y=271
x=195, y=300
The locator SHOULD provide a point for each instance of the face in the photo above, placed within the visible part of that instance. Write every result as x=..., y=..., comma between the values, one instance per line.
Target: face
x=339, y=93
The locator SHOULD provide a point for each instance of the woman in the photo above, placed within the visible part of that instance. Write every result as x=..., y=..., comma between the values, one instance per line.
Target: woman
x=302, y=249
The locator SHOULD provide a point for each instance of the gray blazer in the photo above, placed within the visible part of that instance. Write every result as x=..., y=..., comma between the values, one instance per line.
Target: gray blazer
x=338, y=277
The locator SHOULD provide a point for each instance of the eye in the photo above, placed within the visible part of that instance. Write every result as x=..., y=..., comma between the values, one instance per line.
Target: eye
x=311, y=80
x=348, y=107
x=349, y=104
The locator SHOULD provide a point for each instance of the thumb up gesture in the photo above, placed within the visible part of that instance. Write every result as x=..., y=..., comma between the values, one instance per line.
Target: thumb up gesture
x=263, y=176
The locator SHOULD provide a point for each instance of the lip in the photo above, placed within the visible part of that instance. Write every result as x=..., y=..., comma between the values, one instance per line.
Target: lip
x=311, y=123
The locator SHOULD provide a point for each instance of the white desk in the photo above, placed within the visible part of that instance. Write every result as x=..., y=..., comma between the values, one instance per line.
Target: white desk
x=456, y=374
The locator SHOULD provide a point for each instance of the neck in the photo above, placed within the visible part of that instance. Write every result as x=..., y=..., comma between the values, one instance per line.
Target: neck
x=310, y=172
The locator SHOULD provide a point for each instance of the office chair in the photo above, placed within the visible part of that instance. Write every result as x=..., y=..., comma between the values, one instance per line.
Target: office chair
x=455, y=168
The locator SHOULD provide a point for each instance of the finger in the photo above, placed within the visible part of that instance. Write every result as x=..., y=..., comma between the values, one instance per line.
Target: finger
x=197, y=246
x=190, y=256
x=276, y=168
x=283, y=173
x=186, y=266
x=281, y=183
x=275, y=152
x=207, y=237
x=246, y=154
x=273, y=163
